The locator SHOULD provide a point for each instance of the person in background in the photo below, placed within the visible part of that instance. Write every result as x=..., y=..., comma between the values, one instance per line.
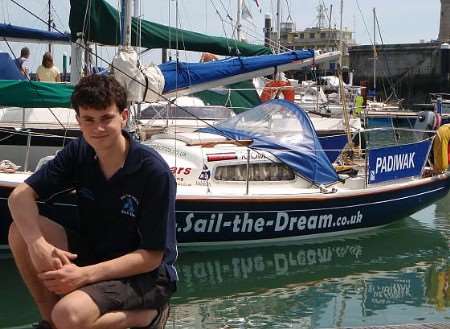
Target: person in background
x=116, y=269
x=23, y=63
x=48, y=72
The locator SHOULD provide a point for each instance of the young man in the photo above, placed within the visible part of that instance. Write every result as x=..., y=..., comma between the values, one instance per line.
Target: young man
x=117, y=270
x=22, y=62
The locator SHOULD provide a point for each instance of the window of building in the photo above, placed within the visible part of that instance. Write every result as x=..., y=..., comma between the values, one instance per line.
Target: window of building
x=323, y=35
x=311, y=35
x=302, y=35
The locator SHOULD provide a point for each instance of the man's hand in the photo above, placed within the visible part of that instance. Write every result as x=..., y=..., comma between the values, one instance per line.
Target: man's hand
x=46, y=257
x=66, y=279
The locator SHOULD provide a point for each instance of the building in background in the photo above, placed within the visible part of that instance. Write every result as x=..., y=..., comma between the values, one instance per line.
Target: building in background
x=322, y=37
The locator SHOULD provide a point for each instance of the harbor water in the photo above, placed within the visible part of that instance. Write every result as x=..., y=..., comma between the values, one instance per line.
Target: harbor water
x=392, y=275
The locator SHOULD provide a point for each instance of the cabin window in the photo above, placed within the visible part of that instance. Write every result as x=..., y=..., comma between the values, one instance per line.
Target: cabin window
x=259, y=172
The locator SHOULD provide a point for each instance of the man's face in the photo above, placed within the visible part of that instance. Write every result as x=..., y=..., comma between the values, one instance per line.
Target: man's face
x=102, y=128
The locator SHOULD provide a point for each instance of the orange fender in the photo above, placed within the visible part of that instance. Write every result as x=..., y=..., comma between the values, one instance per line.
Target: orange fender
x=273, y=86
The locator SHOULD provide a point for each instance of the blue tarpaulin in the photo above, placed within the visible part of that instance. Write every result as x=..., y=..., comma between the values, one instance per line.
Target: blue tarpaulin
x=182, y=75
x=286, y=131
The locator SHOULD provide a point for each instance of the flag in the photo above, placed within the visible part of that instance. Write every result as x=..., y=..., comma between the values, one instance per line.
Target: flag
x=246, y=14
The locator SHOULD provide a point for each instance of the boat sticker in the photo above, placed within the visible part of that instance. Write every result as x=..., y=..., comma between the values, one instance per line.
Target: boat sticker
x=180, y=170
x=168, y=149
x=253, y=156
x=205, y=174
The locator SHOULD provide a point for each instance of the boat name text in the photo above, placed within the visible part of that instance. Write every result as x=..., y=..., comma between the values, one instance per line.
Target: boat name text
x=395, y=162
x=283, y=222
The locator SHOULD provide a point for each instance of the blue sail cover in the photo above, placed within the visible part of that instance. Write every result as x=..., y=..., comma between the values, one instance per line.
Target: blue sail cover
x=18, y=32
x=286, y=131
x=182, y=75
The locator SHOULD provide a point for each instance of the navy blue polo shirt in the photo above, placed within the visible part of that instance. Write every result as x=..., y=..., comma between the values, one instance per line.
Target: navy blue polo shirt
x=134, y=209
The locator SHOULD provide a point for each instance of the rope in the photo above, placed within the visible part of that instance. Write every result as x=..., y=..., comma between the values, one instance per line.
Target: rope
x=8, y=167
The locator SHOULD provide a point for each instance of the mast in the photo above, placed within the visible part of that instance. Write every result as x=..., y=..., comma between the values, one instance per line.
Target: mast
x=374, y=55
x=341, y=84
x=341, y=41
x=278, y=25
x=125, y=33
x=138, y=15
x=238, y=20
x=49, y=23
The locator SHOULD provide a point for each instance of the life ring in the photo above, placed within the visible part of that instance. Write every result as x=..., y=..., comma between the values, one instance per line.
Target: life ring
x=208, y=57
x=272, y=87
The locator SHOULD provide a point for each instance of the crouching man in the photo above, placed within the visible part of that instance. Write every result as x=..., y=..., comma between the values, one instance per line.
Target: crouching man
x=117, y=270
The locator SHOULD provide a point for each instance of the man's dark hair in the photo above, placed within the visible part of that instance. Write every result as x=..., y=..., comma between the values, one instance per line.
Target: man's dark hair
x=99, y=92
x=25, y=52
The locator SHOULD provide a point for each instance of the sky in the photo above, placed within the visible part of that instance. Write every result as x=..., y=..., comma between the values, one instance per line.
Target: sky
x=401, y=21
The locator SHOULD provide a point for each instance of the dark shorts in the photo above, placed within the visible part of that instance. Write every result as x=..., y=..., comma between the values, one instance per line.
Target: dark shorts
x=149, y=290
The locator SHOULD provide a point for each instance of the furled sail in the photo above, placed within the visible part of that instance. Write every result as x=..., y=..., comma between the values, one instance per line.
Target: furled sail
x=20, y=33
x=102, y=25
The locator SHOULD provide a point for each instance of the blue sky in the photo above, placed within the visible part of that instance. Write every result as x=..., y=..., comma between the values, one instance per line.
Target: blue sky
x=401, y=21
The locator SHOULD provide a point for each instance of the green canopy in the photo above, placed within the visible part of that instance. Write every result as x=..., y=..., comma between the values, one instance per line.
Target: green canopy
x=103, y=22
x=239, y=96
x=23, y=93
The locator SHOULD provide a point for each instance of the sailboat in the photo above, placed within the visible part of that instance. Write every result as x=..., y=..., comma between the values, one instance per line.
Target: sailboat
x=263, y=176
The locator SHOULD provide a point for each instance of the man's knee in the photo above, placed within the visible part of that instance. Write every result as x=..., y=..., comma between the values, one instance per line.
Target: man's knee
x=53, y=232
x=65, y=316
x=73, y=312
x=15, y=239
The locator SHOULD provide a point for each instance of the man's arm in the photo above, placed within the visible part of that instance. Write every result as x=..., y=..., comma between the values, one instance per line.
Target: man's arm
x=71, y=277
x=25, y=213
x=136, y=262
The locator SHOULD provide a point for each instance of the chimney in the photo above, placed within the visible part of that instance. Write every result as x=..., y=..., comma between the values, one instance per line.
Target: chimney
x=444, y=29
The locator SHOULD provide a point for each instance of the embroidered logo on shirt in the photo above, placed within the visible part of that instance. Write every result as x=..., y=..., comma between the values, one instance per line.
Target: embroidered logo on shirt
x=129, y=205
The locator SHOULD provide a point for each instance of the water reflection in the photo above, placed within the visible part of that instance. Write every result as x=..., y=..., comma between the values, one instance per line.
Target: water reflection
x=351, y=281
x=394, y=275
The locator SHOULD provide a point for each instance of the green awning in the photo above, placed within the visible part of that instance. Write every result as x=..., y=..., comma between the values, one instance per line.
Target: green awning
x=23, y=93
x=103, y=21
x=239, y=96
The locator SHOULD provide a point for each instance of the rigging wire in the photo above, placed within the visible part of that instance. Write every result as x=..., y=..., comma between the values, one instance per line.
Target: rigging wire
x=223, y=23
x=364, y=22
x=170, y=102
x=5, y=11
x=386, y=64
